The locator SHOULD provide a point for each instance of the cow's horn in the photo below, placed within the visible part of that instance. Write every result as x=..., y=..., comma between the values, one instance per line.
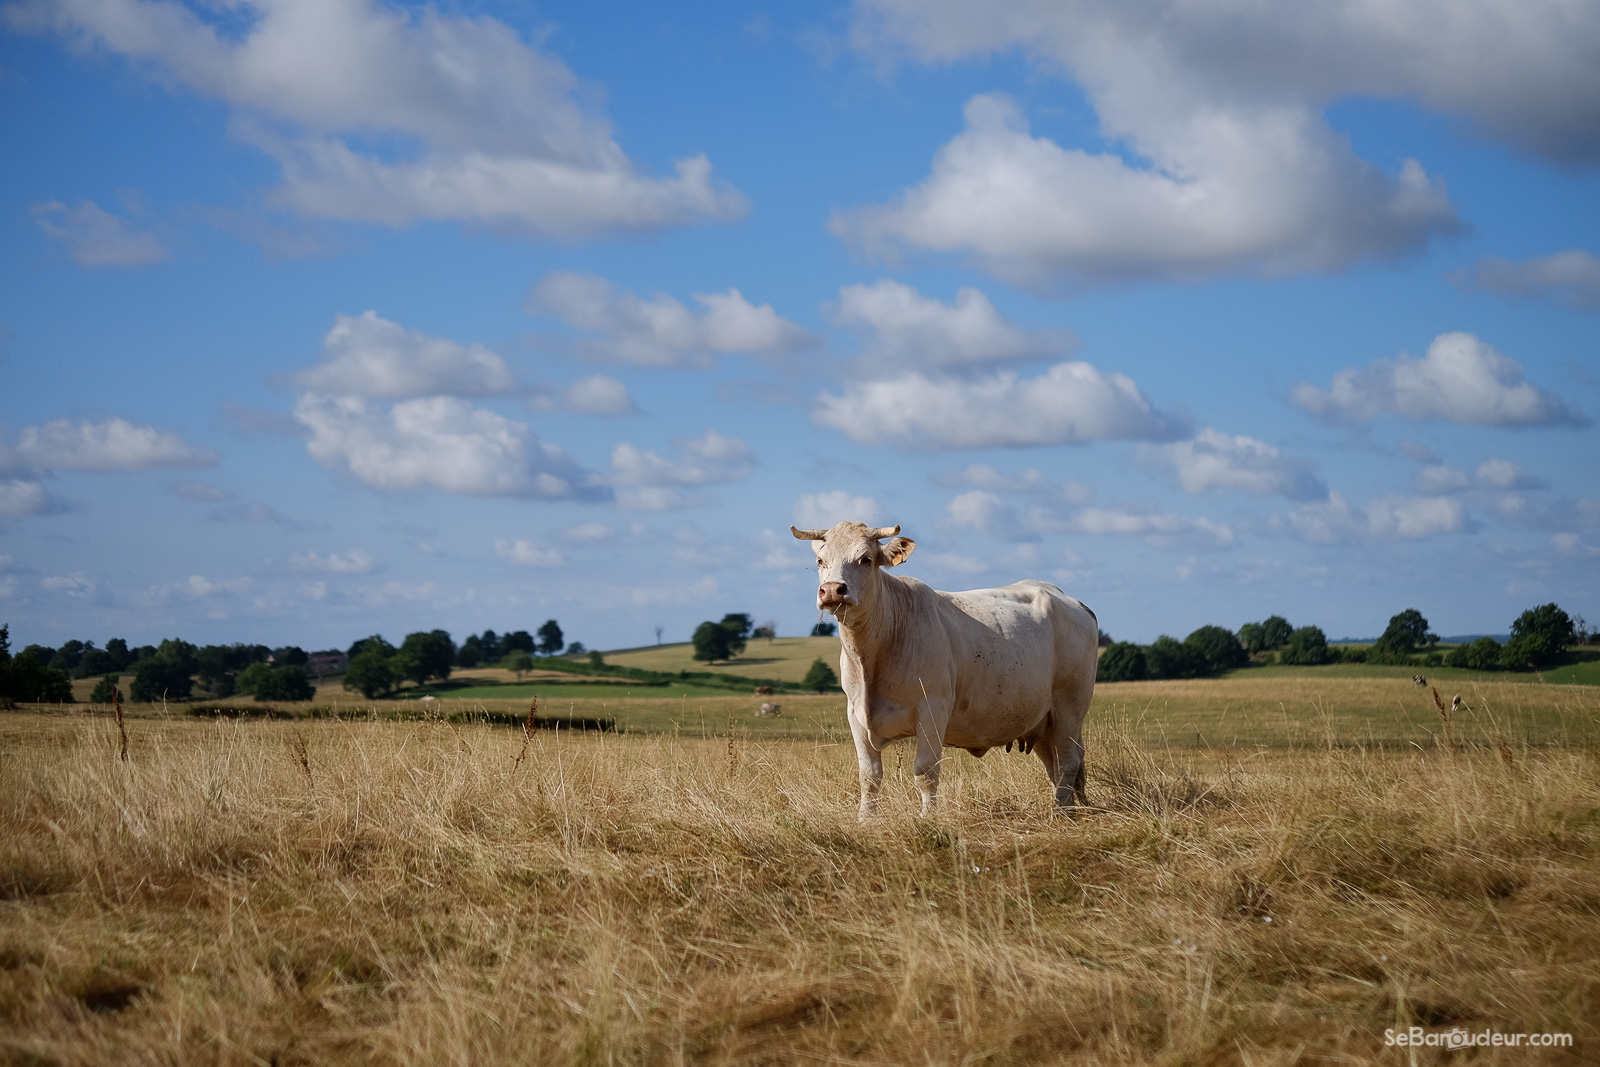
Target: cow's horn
x=811, y=535
x=885, y=531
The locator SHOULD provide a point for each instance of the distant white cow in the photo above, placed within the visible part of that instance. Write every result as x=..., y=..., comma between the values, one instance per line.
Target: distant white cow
x=770, y=709
x=1417, y=679
x=972, y=670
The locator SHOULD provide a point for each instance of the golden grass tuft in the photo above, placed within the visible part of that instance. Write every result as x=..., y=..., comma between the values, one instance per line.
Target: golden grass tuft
x=437, y=894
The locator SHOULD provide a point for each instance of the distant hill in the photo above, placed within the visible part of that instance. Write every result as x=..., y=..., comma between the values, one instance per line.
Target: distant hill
x=785, y=659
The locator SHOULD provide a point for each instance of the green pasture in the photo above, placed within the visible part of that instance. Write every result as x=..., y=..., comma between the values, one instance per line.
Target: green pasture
x=783, y=659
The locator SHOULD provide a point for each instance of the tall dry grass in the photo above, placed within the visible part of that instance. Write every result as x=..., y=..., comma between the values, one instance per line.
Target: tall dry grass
x=410, y=893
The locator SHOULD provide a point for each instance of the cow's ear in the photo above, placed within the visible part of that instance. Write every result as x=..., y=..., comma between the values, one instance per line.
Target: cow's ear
x=897, y=550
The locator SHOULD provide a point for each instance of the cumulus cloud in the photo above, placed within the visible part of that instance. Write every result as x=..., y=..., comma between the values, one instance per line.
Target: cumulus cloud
x=1492, y=473
x=356, y=561
x=77, y=585
x=528, y=554
x=1263, y=189
x=442, y=443
x=108, y=445
x=371, y=356
x=822, y=511
x=906, y=328
x=96, y=238
x=1436, y=479
x=1222, y=107
x=599, y=395
x=1495, y=473
x=1572, y=277
x=1461, y=379
x=1071, y=403
x=647, y=481
x=1158, y=528
x=661, y=331
x=24, y=496
x=1337, y=521
x=982, y=512
x=1213, y=460
x=1031, y=481
x=589, y=532
x=497, y=133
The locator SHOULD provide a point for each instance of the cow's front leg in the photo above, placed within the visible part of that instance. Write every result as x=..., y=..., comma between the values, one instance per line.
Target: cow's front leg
x=930, y=752
x=869, y=762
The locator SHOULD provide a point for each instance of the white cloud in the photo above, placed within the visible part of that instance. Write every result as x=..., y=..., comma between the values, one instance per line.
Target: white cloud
x=1503, y=474
x=79, y=586
x=109, y=445
x=908, y=329
x=1572, y=276
x=496, y=131
x=589, y=532
x=1437, y=478
x=779, y=551
x=661, y=331
x=1070, y=403
x=24, y=496
x=96, y=238
x=600, y=395
x=982, y=512
x=1031, y=481
x=823, y=511
x=439, y=442
x=1214, y=460
x=1260, y=188
x=371, y=356
x=1336, y=521
x=1570, y=544
x=356, y=561
x=1461, y=379
x=1222, y=108
x=198, y=586
x=1158, y=528
x=675, y=594
x=707, y=459
x=528, y=554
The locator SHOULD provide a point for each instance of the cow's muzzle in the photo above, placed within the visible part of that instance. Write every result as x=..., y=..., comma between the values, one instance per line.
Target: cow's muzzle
x=834, y=595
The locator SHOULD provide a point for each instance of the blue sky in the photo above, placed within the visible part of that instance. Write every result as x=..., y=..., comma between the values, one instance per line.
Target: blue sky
x=319, y=319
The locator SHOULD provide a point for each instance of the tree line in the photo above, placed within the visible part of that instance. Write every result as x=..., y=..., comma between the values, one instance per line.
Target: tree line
x=172, y=670
x=1540, y=637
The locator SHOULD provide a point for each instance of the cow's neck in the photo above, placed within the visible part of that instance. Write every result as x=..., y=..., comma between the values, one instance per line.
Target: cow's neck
x=871, y=633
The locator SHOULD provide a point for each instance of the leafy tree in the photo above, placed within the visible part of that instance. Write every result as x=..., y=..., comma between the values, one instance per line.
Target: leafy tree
x=165, y=675
x=285, y=681
x=519, y=661
x=1355, y=655
x=67, y=656
x=290, y=654
x=738, y=625
x=768, y=630
x=24, y=677
x=520, y=640
x=141, y=653
x=1481, y=655
x=470, y=654
x=711, y=642
x=1406, y=631
x=596, y=659
x=1250, y=637
x=824, y=629
x=1540, y=635
x=551, y=640
x=1275, y=632
x=105, y=690
x=1215, y=649
x=1168, y=657
x=250, y=678
x=425, y=655
x=576, y=649
x=95, y=662
x=1122, y=661
x=1307, y=646
x=370, y=672
x=493, y=648
x=117, y=649
x=820, y=677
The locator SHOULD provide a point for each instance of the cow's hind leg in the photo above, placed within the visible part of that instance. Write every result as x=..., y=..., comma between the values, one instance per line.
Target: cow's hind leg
x=930, y=753
x=1060, y=749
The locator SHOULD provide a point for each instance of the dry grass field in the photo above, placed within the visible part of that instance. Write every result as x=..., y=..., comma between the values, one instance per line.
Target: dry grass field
x=1267, y=877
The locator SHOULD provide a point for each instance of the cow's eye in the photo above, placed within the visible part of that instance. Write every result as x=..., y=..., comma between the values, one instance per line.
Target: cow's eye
x=866, y=561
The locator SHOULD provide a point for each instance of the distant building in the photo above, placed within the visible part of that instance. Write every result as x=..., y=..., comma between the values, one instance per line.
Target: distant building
x=323, y=664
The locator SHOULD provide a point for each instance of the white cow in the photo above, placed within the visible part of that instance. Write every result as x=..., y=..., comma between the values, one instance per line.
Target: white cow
x=971, y=670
